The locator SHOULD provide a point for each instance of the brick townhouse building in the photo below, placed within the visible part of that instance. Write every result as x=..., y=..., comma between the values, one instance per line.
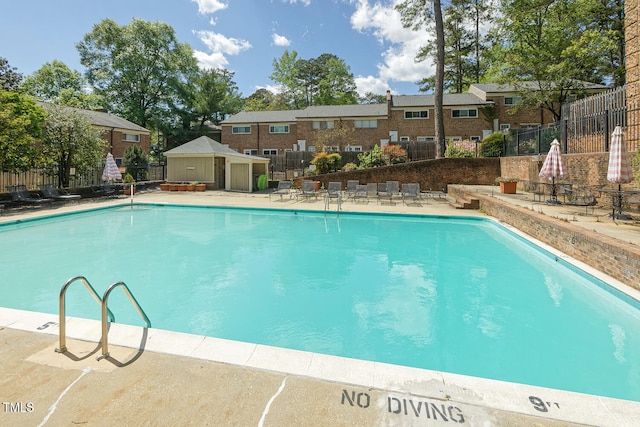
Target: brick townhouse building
x=484, y=109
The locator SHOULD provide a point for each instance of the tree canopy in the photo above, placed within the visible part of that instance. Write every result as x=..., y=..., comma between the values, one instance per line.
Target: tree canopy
x=55, y=82
x=137, y=68
x=9, y=77
x=325, y=80
x=21, y=122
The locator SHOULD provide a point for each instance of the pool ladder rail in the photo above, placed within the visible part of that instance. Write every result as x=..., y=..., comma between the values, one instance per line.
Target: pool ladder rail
x=107, y=315
x=327, y=202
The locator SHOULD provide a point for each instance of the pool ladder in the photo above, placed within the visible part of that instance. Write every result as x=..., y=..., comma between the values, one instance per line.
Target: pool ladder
x=107, y=315
x=327, y=202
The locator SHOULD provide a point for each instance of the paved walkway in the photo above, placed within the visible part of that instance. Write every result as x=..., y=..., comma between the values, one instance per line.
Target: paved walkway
x=155, y=377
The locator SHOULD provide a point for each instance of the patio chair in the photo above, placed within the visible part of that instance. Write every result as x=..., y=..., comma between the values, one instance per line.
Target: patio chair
x=105, y=190
x=333, y=190
x=51, y=192
x=351, y=187
x=284, y=188
x=442, y=194
x=361, y=193
x=411, y=191
x=21, y=196
x=308, y=190
x=391, y=190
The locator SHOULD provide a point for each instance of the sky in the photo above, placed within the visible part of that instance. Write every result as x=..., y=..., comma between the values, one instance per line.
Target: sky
x=243, y=36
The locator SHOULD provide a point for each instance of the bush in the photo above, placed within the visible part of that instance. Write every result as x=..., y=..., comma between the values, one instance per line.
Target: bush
x=371, y=159
x=394, y=154
x=459, y=149
x=493, y=145
x=325, y=162
x=349, y=167
x=136, y=162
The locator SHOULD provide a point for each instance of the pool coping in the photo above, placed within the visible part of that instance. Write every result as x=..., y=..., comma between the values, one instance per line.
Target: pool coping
x=441, y=386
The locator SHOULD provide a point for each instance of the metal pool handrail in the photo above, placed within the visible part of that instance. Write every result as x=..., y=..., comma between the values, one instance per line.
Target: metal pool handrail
x=105, y=311
x=62, y=303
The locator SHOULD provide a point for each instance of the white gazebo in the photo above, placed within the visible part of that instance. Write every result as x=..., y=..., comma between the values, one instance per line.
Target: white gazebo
x=208, y=161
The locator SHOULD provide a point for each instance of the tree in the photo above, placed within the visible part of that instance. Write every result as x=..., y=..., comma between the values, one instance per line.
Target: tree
x=372, y=98
x=9, y=77
x=69, y=141
x=21, y=124
x=547, y=49
x=340, y=136
x=136, y=162
x=56, y=83
x=371, y=159
x=137, y=67
x=325, y=80
x=325, y=162
x=416, y=14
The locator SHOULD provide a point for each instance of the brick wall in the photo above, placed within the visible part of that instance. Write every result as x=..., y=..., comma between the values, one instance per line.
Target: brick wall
x=117, y=145
x=430, y=174
x=616, y=258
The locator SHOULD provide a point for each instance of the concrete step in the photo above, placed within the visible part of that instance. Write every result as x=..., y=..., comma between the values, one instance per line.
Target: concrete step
x=466, y=204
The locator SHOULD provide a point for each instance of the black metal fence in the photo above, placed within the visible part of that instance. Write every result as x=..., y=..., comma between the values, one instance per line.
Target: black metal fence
x=586, y=127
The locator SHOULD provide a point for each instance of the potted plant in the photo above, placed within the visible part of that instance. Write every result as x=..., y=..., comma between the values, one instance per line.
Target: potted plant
x=508, y=185
x=129, y=186
x=191, y=186
x=200, y=186
x=165, y=186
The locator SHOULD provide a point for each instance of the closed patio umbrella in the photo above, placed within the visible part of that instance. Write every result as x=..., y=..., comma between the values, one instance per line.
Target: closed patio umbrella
x=552, y=168
x=111, y=170
x=619, y=171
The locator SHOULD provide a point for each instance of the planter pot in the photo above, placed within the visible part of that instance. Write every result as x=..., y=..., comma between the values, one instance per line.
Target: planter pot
x=173, y=187
x=191, y=187
x=201, y=187
x=165, y=187
x=316, y=185
x=508, y=187
x=128, y=190
x=182, y=187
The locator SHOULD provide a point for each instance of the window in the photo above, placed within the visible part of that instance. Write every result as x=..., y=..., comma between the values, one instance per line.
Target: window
x=251, y=152
x=475, y=138
x=354, y=148
x=504, y=127
x=426, y=139
x=467, y=113
x=318, y=124
x=131, y=137
x=512, y=100
x=312, y=148
x=240, y=130
x=279, y=129
x=405, y=139
x=270, y=152
x=331, y=148
x=454, y=139
x=417, y=114
x=365, y=124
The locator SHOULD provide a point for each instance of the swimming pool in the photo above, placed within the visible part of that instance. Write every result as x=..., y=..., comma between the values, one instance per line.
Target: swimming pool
x=427, y=292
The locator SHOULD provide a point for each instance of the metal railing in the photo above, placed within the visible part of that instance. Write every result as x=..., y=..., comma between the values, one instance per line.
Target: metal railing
x=62, y=303
x=105, y=311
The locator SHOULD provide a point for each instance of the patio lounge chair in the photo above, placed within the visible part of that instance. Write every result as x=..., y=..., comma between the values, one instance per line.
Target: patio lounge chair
x=284, y=188
x=351, y=188
x=51, y=192
x=361, y=193
x=392, y=189
x=21, y=196
x=105, y=190
x=333, y=190
x=308, y=190
x=411, y=192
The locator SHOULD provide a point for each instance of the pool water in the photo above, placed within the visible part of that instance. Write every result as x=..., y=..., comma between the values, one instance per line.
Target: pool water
x=461, y=295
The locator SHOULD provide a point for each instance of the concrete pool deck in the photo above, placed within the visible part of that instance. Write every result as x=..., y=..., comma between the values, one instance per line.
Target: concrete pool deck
x=155, y=377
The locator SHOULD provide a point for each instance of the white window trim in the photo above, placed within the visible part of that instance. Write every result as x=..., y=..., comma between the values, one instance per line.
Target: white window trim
x=130, y=137
x=250, y=152
x=405, y=139
x=269, y=151
x=515, y=100
x=370, y=122
x=354, y=148
x=415, y=111
x=467, y=110
x=318, y=124
x=233, y=130
x=426, y=139
x=273, y=127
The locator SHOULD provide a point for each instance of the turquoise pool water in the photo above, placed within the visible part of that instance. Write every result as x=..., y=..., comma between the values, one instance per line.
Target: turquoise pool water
x=457, y=295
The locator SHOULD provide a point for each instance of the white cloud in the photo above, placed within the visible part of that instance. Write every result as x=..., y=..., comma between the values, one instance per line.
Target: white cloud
x=219, y=46
x=371, y=84
x=304, y=2
x=279, y=40
x=398, y=60
x=209, y=6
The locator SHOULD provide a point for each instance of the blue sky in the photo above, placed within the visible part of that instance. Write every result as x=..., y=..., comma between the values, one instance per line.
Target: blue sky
x=244, y=36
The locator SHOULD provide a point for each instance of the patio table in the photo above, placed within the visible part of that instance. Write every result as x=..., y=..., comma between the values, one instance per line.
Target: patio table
x=617, y=201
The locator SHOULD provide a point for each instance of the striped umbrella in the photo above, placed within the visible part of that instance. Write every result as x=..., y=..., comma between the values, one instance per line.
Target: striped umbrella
x=552, y=168
x=619, y=171
x=111, y=170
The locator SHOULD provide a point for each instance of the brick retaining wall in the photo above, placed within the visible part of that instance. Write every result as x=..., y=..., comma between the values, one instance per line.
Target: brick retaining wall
x=618, y=259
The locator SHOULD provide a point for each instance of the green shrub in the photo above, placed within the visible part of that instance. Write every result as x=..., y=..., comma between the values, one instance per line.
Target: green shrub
x=492, y=145
x=458, y=149
x=349, y=167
